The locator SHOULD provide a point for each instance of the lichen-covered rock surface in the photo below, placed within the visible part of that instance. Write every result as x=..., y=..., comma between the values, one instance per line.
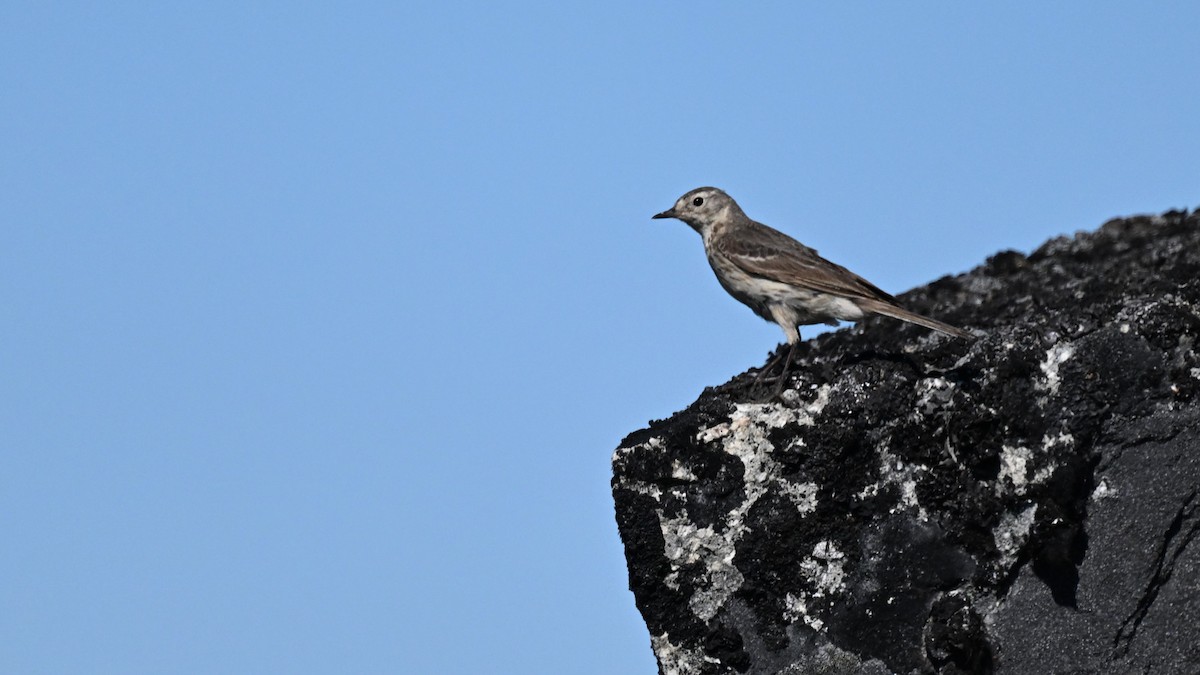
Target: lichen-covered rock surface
x=911, y=503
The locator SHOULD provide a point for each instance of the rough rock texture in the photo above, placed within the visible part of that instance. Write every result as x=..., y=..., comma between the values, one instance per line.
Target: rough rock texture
x=1024, y=503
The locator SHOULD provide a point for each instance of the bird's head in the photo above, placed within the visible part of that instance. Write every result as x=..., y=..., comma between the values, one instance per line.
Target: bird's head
x=702, y=207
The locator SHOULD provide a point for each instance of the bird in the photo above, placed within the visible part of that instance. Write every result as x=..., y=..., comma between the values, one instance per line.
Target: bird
x=780, y=279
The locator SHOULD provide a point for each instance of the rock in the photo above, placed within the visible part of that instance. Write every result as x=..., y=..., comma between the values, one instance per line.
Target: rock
x=911, y=503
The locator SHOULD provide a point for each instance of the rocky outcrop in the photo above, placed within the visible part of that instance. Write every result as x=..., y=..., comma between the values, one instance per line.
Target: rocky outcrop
x=1028, y=502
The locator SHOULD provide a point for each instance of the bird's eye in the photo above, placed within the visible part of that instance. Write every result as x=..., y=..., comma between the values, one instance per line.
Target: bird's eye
x=697, y=201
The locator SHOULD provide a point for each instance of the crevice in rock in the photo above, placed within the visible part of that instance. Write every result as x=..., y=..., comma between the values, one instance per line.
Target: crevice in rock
x=1164, y=567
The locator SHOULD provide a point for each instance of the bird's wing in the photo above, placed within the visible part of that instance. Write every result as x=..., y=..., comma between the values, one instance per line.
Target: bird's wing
x=765, y=252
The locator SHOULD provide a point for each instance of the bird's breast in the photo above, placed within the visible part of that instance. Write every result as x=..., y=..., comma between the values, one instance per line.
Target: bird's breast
x=754, y=292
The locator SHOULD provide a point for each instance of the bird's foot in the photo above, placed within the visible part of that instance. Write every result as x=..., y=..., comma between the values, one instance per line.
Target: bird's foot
x=782, y=360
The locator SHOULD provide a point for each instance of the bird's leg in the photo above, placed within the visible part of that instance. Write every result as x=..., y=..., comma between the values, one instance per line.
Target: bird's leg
x=772, y=363
x=783, y=374
x=786, y=318
x=783, y=359
x=767, y=367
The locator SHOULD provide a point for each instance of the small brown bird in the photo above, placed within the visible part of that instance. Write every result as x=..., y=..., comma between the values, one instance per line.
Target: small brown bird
x=779, y=278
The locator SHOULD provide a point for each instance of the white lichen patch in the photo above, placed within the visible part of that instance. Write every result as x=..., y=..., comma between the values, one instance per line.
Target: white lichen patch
x=1016, y=463
x=795, y=608
x=655, y=443
x=640, y=487
x=706, y=554
x=1055, y=357
x=680, y=471
x=770, y=415
x=1062, y=438
x=1103, y=491
x=683, y=541
x=684, y=544
x=908, y=497
x=747, y=440
x=894, y=471
x=807, y=416
x=713, y=433
x=1049, y=442
x=803, y=495
x=1014, y=466
x=1012, y=532
x=649, y=489
x=675, y=660
x=933, y=393
x=709, y=550
x=745, y=437
x=825, y=569
x=868, y=492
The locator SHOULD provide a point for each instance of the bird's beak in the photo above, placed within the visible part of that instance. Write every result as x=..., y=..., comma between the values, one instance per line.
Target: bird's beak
x=669, y=213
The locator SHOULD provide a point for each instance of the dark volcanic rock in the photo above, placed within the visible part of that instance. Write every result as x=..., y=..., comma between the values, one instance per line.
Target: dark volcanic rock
x=1024, y=503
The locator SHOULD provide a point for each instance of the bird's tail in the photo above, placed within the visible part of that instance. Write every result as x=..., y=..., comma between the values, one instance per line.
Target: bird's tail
x=897, y=312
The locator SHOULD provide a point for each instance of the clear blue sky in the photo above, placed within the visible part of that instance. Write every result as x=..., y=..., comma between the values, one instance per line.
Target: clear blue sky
x=321, y=323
